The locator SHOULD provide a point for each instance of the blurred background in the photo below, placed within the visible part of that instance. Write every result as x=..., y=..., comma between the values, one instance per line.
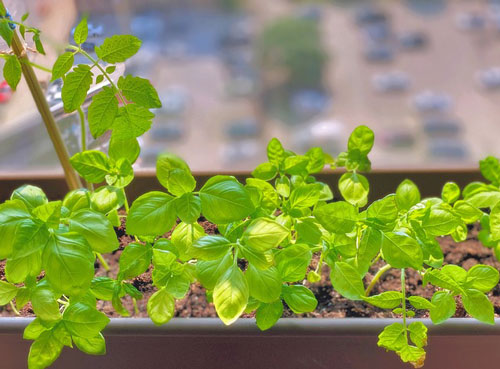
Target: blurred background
x=231, y=74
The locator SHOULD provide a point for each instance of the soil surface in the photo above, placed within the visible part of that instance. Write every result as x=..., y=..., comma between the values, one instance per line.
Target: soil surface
x=330, y=303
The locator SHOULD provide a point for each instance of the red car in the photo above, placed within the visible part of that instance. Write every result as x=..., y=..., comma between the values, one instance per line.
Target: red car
x=5, y=92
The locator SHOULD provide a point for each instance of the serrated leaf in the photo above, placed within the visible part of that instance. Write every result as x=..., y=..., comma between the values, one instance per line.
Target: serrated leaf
x=385, y=300
x=62, y=65
x=75, y=87
x=132, y=121
x=139, y=91
x=102, y=112
x=118, y=48
x=12, y=71
x=81, y=32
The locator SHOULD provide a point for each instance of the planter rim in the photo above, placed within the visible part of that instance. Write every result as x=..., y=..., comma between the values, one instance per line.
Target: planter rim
x=328, y=327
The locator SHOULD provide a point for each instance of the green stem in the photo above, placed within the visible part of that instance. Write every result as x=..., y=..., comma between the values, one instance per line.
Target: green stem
x=136, y=308
x=103, y=262
x=103, y=71
x=83, y=131
x=125, y=202
x=37, y=66
x=62, y=302
x=377, y=276
x=13, y=307
x=403, y=300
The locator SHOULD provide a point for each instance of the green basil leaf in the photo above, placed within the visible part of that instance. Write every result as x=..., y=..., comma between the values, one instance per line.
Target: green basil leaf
x=490, y=169
x=106, y=199
x=184, y=237
x=420, y=303
x=440, y=222
x=393, y=337
x=92, y=165
x=63, y=250
x=127, y=148
x=231, y=295
x=211, y=247
x=402, y=251
x=299, y=298
x=31, y=196
x=268, y=315
x=407, y=195
x=264, y=285
x=444, y=307
x=275, y=152
x=354, y=188
x=161, y=306
x=450, y=192
x=264, y=234
x=361, y=139
x=385, y=300
x=482, y=277
x=82, y=320
x=337, y=217
x=96, y=229
x=7, y=292
x=152, y=214
x=478, y=306
x=305, y=196
x=91, y=346
x=265, y=171
x=292, y=262
x=188, y=207
x=209, y=272
x=44, y=351
x=225, y=200
x=347, y=281
x=134, y=260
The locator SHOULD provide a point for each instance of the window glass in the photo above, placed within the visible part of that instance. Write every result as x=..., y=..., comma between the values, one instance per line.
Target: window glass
x=231, y=74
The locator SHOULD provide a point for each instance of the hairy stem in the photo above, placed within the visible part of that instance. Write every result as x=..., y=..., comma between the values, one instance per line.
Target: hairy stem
x=72, y=179
x=103, y=261
x=375, y=279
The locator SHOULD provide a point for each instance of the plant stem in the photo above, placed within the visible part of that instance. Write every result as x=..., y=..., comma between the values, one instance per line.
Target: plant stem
x=14, y=309
x=38, y=66
x=103, y=262
x=83, y=131
x=136, y=308
x=125, y=203
x=103, y=71
x=403, y=300
x=72, y=179
x=377, y=276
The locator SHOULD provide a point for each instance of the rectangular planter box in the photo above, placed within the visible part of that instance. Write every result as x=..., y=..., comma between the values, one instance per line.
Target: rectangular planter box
x=205, y=343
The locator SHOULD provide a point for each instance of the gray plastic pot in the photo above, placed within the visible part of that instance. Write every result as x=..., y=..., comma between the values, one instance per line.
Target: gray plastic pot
x=205, y=343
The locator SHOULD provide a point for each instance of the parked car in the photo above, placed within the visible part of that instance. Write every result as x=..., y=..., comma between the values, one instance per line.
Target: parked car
x=398, y=139
x=413, y=40
x=166, y=131
x=309, y=103
x=441, y=126
x=447, y=148
x=489, y=78
x=5, y=92
x=430, y=101
x=377, y=53
x=377, y=32
x=470, y=21
x=370, y=14
x=241, y=150
x=309, y=12
x=395, y=81
x=238, y=34
x=243, y=128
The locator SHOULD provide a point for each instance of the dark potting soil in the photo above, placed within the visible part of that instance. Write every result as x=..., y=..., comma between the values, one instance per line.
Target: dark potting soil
x=330, y=303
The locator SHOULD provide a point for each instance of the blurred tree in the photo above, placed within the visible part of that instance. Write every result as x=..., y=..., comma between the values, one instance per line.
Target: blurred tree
x=290, y=54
